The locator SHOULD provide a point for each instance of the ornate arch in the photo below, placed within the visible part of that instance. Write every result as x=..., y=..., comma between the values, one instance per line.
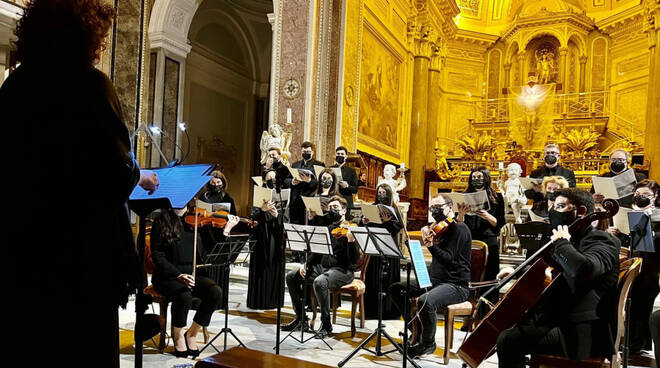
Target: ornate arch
x=543, y=32
x=169, y=24
x=579, y=41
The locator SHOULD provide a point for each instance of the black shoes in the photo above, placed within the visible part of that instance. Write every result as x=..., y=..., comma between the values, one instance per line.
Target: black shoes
x=420, y=349
x=193, y=353
x=295, y=325
x=180, y=354
x=324, y=332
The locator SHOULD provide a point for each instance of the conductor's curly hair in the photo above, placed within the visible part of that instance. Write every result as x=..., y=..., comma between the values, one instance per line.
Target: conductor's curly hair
x=72, y=30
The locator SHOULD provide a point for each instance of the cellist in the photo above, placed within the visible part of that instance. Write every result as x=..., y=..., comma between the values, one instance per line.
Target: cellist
x=577, y=315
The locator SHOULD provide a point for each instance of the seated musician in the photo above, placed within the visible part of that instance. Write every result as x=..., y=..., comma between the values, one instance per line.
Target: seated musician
x=172, y=247
x=577, y=315
x=327, y=271
x=449, y=271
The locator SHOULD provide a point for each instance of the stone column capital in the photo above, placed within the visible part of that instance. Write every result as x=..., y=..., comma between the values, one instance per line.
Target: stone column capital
x=583, y=59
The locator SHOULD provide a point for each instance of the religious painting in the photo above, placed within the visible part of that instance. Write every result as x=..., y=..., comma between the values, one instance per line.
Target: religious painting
x=379, y=93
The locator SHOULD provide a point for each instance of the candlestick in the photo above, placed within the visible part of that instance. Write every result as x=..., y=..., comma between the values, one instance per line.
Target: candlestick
x=288, y=115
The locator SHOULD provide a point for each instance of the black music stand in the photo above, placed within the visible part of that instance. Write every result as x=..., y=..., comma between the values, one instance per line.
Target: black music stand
x=177, y=186
x=218, y=260
x=377, y=242
x=532, y=235
x=306, y=239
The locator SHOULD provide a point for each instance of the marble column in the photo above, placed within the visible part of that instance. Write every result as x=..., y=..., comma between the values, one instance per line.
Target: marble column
x=4, y=56
x=522, y=67
x=419, y=118
x=507, y=75
x=561, y=78
x=434, y=106
x=651, y=147
x=583, y=73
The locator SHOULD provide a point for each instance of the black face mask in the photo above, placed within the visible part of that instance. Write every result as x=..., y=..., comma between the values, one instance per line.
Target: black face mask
x=438, y=214
x=550, y=159
x=270, y=184
x=617, y=167
x=340, y=159
x=382, y=198
x=477, y=183
x=641, y=201
x=334, y=215
x=560, y=218
x=276, y=164
x=326, y=183
x=307, y=156
x=551, y=196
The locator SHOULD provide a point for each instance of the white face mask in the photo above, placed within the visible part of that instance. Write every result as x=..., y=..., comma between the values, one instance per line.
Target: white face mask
x=179, y=211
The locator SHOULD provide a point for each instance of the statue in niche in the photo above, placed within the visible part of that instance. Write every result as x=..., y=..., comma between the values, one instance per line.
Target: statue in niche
x=545, y=66
x=275, y=137
x=513, y=190
x=397, y=184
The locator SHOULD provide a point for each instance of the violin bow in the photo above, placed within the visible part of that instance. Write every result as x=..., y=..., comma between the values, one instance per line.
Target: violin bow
x=194, y=270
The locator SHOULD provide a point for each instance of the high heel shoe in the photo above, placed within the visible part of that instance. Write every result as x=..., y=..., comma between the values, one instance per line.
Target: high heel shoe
x=181, y=354
x=193, y=353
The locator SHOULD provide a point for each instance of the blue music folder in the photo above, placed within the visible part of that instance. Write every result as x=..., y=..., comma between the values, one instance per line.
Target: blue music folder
x=178, y=185
x=419, y=264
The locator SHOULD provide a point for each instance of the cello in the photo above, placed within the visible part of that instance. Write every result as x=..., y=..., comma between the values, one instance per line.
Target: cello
x=522, y=296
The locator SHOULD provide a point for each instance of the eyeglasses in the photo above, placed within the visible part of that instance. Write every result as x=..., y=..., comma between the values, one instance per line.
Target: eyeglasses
x=554, y=153
x=437, y=206
x=622, y=160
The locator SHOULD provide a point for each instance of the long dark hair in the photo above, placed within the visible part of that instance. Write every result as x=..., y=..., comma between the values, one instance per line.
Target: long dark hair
x=170, y=226
x=487, y=184
x=333, y=188
x=388, y=191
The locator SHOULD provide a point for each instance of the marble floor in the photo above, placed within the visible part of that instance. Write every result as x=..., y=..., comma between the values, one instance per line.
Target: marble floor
x=256, y=329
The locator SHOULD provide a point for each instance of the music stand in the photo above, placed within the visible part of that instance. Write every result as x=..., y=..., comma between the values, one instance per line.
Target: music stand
x=377, y=242
x=306, y=239
x=218, y=260
x=177, y=186
x=532, y=235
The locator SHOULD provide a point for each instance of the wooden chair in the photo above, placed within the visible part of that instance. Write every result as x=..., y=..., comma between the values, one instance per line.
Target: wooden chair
x=162, y=301
x=355, y=289
x=629, y=269
x=478, y=261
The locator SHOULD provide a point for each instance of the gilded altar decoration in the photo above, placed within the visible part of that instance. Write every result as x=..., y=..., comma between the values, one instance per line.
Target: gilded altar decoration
x=379, y=93
x=531, y=113
x=275, y=137
x=579, y=141
x=442, y=166
x=475, y=148
x=545, y=66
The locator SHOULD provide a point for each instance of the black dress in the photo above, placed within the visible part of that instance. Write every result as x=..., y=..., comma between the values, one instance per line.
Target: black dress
x=68, y=152
x=484, y=231
x=391, y=275
x=266, y=279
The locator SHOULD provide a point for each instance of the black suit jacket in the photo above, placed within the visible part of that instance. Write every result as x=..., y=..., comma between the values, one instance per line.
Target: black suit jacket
x=542, y=172
x=348, y=174
x=583, y=302
x=297, y=206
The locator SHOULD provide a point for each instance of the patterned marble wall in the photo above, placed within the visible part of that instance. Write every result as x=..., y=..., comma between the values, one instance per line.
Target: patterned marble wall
x=126, y=56
x=170, y=108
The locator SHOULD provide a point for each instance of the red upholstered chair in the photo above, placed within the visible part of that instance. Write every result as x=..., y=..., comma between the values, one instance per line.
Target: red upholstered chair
x=629, y=269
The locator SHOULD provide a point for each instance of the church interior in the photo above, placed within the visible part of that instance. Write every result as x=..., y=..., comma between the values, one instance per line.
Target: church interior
x=435, y=88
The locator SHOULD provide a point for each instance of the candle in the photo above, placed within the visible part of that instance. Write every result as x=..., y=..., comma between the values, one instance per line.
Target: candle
x=403, y=165
x=417, y=119
x=500, y=165
x=288, y=115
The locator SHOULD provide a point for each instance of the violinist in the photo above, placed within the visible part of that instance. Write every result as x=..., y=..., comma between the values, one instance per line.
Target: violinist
x=327, y=271
x=576, y=317
x=172, y=251
x=450, y=247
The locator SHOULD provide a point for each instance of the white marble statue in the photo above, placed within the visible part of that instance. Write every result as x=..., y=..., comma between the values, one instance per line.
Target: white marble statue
x=514, y=192
x=275, y=137
x=397, y=184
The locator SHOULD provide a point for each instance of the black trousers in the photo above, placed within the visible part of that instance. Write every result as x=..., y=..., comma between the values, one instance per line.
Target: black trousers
x=526, y=338
x=181, y=297
x=654, y=324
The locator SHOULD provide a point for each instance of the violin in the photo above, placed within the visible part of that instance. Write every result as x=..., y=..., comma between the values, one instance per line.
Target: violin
x=440, y=227
x=342, y=230
x=216, y=219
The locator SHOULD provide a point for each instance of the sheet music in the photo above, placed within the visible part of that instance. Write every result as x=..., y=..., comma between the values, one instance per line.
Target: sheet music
x=258, y=180
x=641, y=239
x=528, y=183
x=371, y=212
x=476, y=200
x=261, y=195
x=175, y=184
x=383, y=240
x=296, y=173
x=337, y=171
x=221, y=206
x=419, y=263
x=208, y=207
x=616, y=187
x=313, y=204
x=535, y=217
x=318, y=170
x=319, y=238
x=621, y=220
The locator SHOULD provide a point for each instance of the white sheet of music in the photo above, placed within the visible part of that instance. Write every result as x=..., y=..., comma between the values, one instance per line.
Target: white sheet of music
x=258, y=180
x=528, y=183
x=616, y=187
x=313, y=204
